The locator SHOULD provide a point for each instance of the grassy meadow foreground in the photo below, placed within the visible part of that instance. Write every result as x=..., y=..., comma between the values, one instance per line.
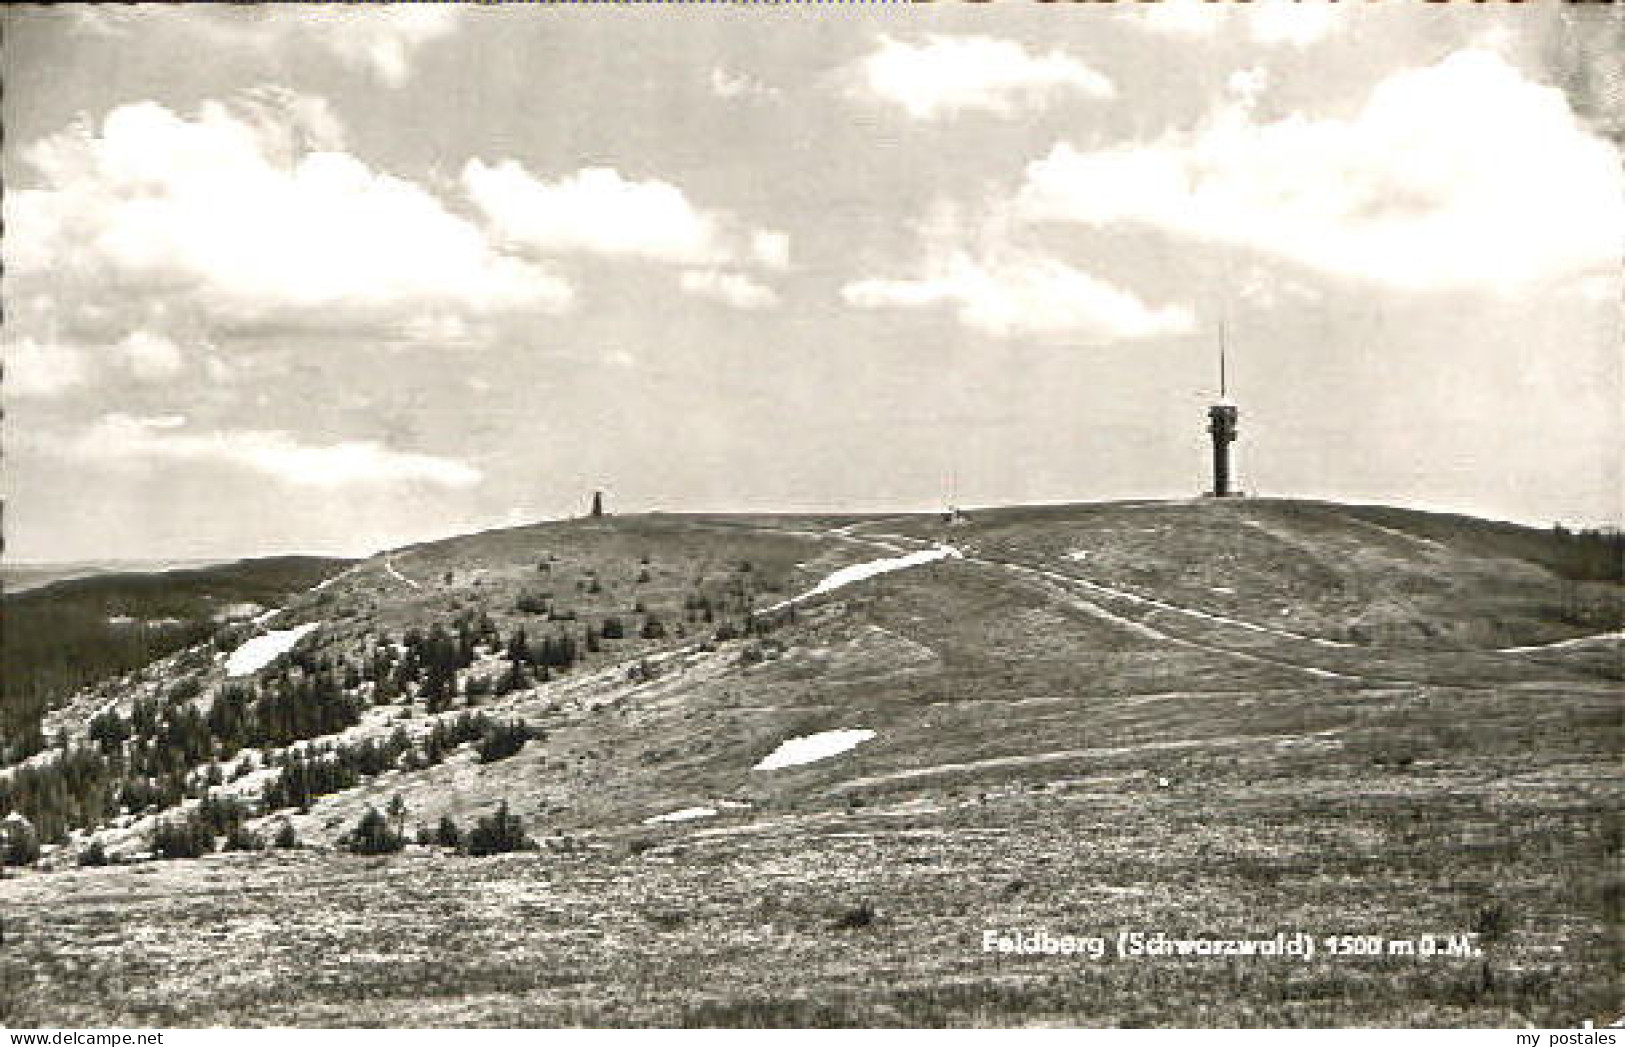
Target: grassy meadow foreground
x=1215, y=720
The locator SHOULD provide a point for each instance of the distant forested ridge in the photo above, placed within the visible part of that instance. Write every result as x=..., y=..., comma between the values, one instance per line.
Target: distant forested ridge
x=1576, y=554
x=64, y=636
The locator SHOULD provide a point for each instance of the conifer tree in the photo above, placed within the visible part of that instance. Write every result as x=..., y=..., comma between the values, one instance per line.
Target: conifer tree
x=447, y=834
x=372, y=835
x=498, y=834
x=397, y=814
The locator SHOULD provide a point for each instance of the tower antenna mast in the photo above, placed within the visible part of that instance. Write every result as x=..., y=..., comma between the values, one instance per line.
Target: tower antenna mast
x=1222, y=426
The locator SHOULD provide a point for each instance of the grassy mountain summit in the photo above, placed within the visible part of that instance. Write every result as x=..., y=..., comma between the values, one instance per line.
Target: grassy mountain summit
x=1214, y=718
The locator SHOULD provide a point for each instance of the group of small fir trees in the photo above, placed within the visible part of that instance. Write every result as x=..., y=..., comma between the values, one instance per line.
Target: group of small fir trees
x=383, y=832
x=333, y=767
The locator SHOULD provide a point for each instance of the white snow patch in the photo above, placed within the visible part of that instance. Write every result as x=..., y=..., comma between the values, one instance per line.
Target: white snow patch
x=1578, y=641
x=812, y=747
x=261, y=651
x=687, y=814
x=860, y=571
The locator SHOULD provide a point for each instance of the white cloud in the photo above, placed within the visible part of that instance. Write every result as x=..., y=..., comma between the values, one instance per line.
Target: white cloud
x=46, y=368
x=43, y=369
x=1263, y=289
x=150, y=356
x=1463, y=173
x=1247, y=85
x=441, y=330
x=598, y=211
x=726, y=84
x=124, y=439
x=1298, y=23
x=381, y=38
x=770, y=249
x=1025, y=295
x=1182, y=17
x=1271, y=22
x=100, y=20
x=246, y=215
x=733, y=289
x=949, y=75
x=287, y=123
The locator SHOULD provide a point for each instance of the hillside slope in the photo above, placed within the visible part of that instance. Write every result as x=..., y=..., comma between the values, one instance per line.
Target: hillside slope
x=1212, y=717
x=62, y=634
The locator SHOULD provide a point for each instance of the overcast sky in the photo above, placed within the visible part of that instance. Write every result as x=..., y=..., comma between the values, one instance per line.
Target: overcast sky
x=333, y=280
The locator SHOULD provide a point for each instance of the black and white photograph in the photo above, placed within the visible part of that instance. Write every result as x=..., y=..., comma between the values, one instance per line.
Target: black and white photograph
x=801, y=515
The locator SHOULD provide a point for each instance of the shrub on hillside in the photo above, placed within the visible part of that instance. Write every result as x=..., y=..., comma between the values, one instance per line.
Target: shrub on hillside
x=182, y=838
x=219, y=815
x=19, y=842
x=858, y=916
x=372, y=835
x=242, y=838
x=498, y=833
x=502, y=740
x=109, y=731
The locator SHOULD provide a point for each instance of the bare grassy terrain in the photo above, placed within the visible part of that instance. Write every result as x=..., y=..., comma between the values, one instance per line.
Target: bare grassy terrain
x=1214, y=720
